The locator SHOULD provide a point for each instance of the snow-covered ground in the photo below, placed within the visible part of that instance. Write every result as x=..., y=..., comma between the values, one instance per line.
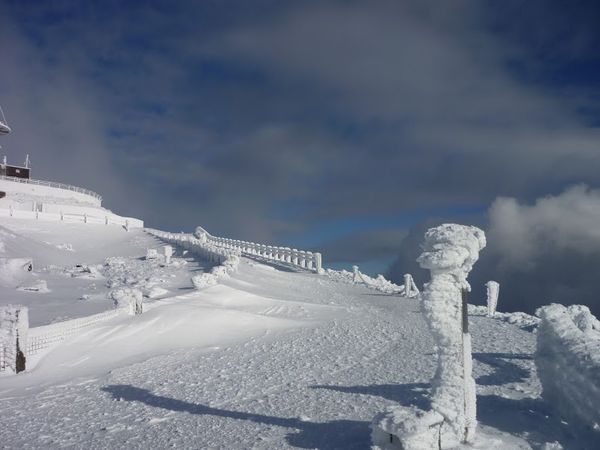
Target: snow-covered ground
x=81, y=264
x=268, y=358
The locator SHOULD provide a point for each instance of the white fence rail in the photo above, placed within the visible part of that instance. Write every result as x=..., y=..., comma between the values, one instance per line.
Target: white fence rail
x=305, y=259
x=53, y=184
x=106, y=219
x=299, y=258
x=43, y=337
x=204, y=249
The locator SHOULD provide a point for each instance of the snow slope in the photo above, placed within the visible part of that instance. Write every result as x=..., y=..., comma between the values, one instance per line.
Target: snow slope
x=107, y=256
x=267, y=359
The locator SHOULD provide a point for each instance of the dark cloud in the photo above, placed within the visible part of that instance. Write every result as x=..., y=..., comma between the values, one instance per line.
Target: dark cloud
x=363, y=246
x=259, y=122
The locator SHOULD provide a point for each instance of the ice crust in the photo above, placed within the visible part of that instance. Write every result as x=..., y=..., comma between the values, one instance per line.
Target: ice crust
x=568, y=362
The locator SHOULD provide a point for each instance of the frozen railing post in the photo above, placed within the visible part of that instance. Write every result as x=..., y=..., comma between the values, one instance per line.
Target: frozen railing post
x=318, y=262
x=168, y=253
x=356, y=278
x=410, y=288
x=493, y=289
x=450, y=251
x=14, y=326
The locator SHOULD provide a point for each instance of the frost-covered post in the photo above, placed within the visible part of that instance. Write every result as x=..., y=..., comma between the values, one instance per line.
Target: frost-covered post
x=135, y=298
x=450, y=251
x=493, y=289
x=318, y=262
x=14, y=325
x=356, y=278
x=168, y=253
x=410, y=288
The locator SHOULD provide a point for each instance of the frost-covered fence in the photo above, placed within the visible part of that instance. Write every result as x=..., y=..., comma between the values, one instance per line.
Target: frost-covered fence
x=226, y=259
x=299, y=258
x=408, y=289
x=14, y=324
x=47, y=335
x=568, y=362
x=450, y=251
x=100, y=219
x=203, y=249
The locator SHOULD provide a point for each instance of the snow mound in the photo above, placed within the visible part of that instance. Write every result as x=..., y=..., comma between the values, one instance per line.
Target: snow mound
x=520, y=319
x=568, y=362
x=14, y=269
x=40, y=287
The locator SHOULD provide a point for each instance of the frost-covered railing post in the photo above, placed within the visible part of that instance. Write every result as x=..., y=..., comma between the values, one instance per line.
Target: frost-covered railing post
x=14, y=325
x=410, y=288
x=168, y=250
x=493, y=289
x=450, y=251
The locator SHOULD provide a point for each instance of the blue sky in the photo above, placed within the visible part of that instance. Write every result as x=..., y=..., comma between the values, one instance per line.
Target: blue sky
x=316, y=124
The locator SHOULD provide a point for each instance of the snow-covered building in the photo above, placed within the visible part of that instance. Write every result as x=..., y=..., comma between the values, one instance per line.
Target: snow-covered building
x=24, y=197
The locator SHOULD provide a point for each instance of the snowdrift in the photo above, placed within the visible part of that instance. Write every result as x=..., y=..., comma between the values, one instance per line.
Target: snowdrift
x=568, y=361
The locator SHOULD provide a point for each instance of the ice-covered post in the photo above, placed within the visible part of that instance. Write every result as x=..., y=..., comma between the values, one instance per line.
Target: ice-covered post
x=168, y=253
x=318, y=262
x=356, y=278
x=135, y=302
x=493, y=289
x=14, y=325
x=450, y=251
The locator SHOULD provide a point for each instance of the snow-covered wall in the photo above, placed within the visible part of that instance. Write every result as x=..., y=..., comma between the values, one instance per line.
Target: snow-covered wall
x=23, y=190
x=568, y=362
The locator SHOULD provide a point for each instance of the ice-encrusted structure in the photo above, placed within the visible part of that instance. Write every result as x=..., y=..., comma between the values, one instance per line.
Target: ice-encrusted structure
x=450, y=250
x=568, y=362
x=128, y=297
x=227, y=260
x=14, y=327
x=493, y=289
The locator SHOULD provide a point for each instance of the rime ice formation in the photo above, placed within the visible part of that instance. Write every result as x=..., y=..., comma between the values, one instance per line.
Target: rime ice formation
x=130, y=297
x=14, y=326
x=568, y=362
x=493, y=289
x=450, y=251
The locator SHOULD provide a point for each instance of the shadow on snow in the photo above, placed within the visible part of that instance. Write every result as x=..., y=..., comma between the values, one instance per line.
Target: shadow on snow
x=338, y=434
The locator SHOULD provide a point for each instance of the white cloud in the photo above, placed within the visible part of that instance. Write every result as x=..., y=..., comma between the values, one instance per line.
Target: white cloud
x=522, y=234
